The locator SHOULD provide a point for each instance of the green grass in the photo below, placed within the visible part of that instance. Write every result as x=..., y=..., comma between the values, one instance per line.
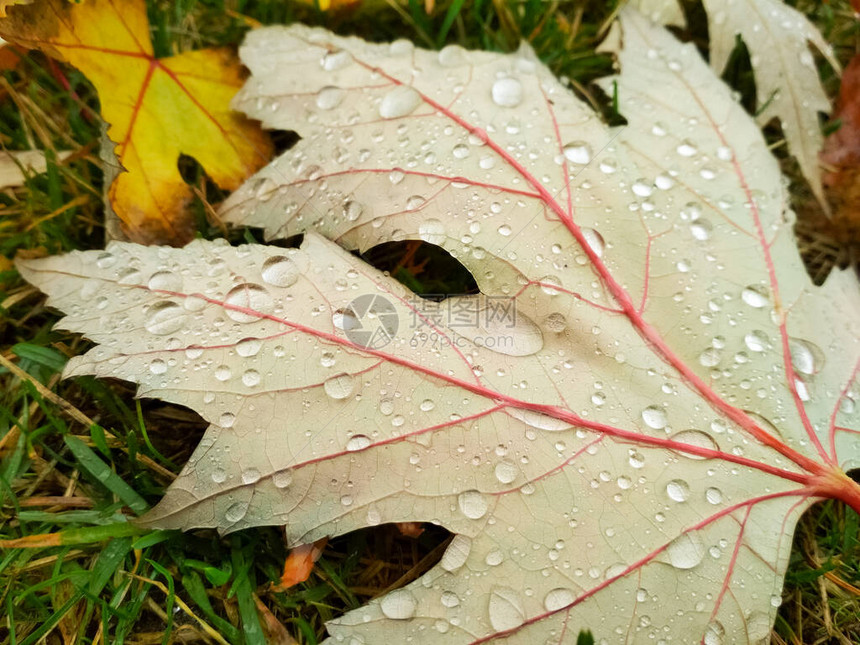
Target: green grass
x=81, y=458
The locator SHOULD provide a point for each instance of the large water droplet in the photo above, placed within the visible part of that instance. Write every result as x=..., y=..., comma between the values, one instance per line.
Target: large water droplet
x=806, y=357
x=245, y=301
x=339, y=386
x=755, y=296
x=250, y=476
x=594, y=240
x=282, y=478
x=280, y=271
x=236, y=511
x=558, y=599
x=164, y=318
x=399, y=604
x=352, y=210
x=330, y=97
x=678, y=490
x=684, y=552
x=358, y=442
x=756, y=341
x=539, y=420
x=473, y=504
x=345, y=319
x=714, y=634
x=506, y=471
x=398, y=102
x=165, y=281
x=335, y=60
x=578, y=152
x=505, y=610
x=248, y=347
x=654, y=417
x=507, y=92
x=456, y=554
x=695, y=438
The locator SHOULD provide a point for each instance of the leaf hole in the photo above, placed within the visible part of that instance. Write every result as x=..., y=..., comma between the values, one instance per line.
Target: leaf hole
x=427, y=269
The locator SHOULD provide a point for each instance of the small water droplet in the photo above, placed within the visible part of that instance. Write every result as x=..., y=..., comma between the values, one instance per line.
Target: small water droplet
x=504, y=230
x=473, y=504
x=246, y=301
x=678, y=490
x=555, y=322
x=594, y=240
x=399, y=604
x=507, y=92
x=399, y=102
x=714, y=633
x=282, y=478
x=358, y=442
x=330, y=97
x=754, y=296
x=250, y=476
x=695, y=438
x=686, y=149
x=248, y=347
x=456, y=554
x=236, y=511
x=558, y=599
x=756, y=341
x=449, y=599
x=506, y=471
x=157, y=366
x=806, y=357
x=280, y=271
x=684, y=552
x=251, y=378
x=335, y=60
x=654, y=417
x=339, y=386
x=505, y=609
x=226, y=420
x=714, y=495
x=163, y=318
x=165, y=281
x=578, y=152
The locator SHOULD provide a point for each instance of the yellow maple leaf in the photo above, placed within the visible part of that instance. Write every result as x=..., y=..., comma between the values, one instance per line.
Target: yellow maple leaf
x=157, y=109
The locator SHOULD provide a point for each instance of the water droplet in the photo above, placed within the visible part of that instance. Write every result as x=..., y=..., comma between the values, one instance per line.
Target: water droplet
x=163, y=318
x=105, y=260
x=461, y=151
x=555, y=322
x=686, y=149
x=701, y=229
x=248, y=347
x=714, y=633
x=578, y=152
x=539, y=420
x=398, y=102
x=684, y=552
x=226, y=420
x=223, y=373
x=558, y=599
x=710, y=357
x=358, y=442
x=504, y=230
x=452, y=56
x=157, y=366
x=456, y=554
x=427, y=405
x=695, y=438
x=678, y=490
x=642, y=188
x=399, y=604
x=282, y=478
x=245, y=301
x=165, y=281
x=756, y=341
x=594, y=240
x=251, y=378
x=345, y=319
x=654, y=417
x=506, y=610
x=219, y=475
x=806, y=357
x=415, y=202
x=339, y=386
x=432, y=231
x=506, y=472
x=494, y=558
x=714, y=495
x=473, y=504
x=754, y=296
x=507, y=92
x=236, y=511
x=330, y=97
x=335, y=60
x=250, y=476
x=280, y=271
x=449, y=599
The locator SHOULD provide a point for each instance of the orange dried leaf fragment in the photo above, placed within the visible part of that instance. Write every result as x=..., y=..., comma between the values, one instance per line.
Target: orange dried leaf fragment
x=157, y=108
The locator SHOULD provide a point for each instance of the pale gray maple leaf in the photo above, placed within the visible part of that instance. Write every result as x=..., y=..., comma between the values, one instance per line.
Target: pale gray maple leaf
x=623, y=440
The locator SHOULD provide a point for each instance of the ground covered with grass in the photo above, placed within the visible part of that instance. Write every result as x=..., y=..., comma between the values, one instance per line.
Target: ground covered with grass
x=82, y=457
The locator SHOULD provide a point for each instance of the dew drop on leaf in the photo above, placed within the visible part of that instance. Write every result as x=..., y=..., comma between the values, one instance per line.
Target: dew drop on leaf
x=594, y=241
x=714, y=495
x=345, y=319
x=684, y=552
x=339, y=386
x=335, y=60
x=164, y=318
x=695, y=438
x=358, y=442
x=282, y=478
x=236, y=511
x=754, y=296
x=245, y=300
x=330, y=97
x=399, y=604
x=456, y=554
x=473, y=504
x=165, y=281
x=250, y=476
x=678, y=490
x=248, y=347
x=507, y=92
x=714, y=633
x=578, y=152
x=806, y=358
x=506, y=472
x=352, y=210
x=505, y=609
x=280, y=271
x=449, y=599
x=399, y=102
x=558, y=599
x=654, y=417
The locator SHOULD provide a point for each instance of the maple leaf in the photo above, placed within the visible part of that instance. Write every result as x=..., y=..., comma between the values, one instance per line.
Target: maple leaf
x=778, y=39
x=157, y=109
x=622, y=438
